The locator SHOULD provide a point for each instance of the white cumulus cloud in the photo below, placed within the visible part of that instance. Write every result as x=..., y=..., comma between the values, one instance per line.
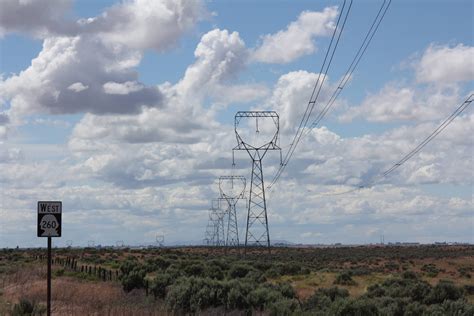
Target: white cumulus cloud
x=298, y=38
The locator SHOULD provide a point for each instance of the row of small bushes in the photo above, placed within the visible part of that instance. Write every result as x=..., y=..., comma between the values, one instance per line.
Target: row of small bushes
x=243, y=287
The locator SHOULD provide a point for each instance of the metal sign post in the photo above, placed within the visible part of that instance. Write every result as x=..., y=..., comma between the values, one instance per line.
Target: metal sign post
x=49, y=225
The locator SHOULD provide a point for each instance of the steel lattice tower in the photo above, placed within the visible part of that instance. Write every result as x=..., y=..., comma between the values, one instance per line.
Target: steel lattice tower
x=257, y=233
x=215, y=232
x=231, y=197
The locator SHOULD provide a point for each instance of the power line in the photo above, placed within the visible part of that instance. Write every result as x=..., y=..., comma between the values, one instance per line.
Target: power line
x=316, y=90
x=415, y=150
x=355, y=61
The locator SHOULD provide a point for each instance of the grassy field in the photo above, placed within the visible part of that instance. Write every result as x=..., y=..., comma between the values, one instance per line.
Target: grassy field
x=434, y=280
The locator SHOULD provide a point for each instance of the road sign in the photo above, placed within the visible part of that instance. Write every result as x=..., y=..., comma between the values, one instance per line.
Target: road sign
x=49, y=218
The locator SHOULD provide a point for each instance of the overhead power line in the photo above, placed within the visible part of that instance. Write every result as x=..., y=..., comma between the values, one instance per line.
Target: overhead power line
x=415, y=150
x=316, y=89
x=355, y=61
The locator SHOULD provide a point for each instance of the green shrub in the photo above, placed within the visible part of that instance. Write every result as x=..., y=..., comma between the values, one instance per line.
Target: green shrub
x=191, y=294
x=283, y=307
x=359, y=307
x=430, y=269
x=25, y=307
x=159, y=285
x=239, y=270
x=444, y=291
x=133, y=280
x=344, y=278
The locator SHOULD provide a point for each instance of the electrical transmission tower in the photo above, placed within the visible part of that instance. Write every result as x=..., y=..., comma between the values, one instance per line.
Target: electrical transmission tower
x=232, y=189
x=160, y=240
x=257, y=233
x=215, y=234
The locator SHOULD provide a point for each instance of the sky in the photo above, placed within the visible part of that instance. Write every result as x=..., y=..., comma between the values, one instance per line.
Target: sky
x=124, y=111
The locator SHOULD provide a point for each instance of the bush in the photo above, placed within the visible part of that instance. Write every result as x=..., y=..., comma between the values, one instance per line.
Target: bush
x=284, y=307
x=133, y=280
x=444, y=291
x=362, y=307
x=193, y=294
x=159, y=285
x=237, y=295
x=25, y=307
x=239, y=270
x=430, y=269
x=344, y=278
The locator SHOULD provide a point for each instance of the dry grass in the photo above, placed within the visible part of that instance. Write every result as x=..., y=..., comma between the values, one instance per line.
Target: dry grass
x=72, y=296
x=305, y=285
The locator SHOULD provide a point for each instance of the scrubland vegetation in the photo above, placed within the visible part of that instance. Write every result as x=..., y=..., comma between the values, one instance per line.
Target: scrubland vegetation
x=421, y=280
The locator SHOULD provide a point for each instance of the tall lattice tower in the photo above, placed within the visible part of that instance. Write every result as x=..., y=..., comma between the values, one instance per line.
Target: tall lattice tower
x=232, y=189
x=257, y=233
x=216, y=218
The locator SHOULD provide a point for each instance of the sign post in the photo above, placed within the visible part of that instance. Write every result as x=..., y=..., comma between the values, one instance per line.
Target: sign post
x=49, y=225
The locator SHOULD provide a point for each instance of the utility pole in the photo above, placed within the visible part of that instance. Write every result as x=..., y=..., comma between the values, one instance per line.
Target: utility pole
x=257, y=233
x=232, y=189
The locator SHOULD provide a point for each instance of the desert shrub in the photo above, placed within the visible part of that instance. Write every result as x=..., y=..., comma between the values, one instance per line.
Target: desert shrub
x=196, y=269
x=459, y=307
x=430, y=269
x=272, y=273
x=360, y=271
x=392, y=266
x=286, y=290
x=444, y=291
x=283, y=307
x=255, y=276
x=237, y=292
x=317, y=301
x=414, y=289
x=344, y=278
x=263, y=295
x=214, y=272
x=322, y=299
x=409, y=275
x=159, y=285
x=128, y=266
x=465, y=272
x=174, y=271
x=469, y=289
x=414, y=309
x=26, y=307
x=239, y=270
x=362, y=307
x=191, y=294
x=290, y=268
x=133, y=280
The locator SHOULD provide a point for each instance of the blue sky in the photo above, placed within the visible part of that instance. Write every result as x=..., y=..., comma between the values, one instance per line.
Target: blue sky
x=124, y=110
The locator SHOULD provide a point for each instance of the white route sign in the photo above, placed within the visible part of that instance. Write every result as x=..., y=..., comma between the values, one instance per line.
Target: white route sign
x=49, y=218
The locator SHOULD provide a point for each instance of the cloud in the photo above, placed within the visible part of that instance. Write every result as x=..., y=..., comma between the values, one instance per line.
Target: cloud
x=40, y=18
x=297, y=39
x=291, y=94
x=396, y=102
x=132, y=23
x=77, y=87
x=446, y=65
x=92, y=68
x=146, y=24
x=122, y=88
x=440, y=74
x=65, y=66
x=220, y=55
